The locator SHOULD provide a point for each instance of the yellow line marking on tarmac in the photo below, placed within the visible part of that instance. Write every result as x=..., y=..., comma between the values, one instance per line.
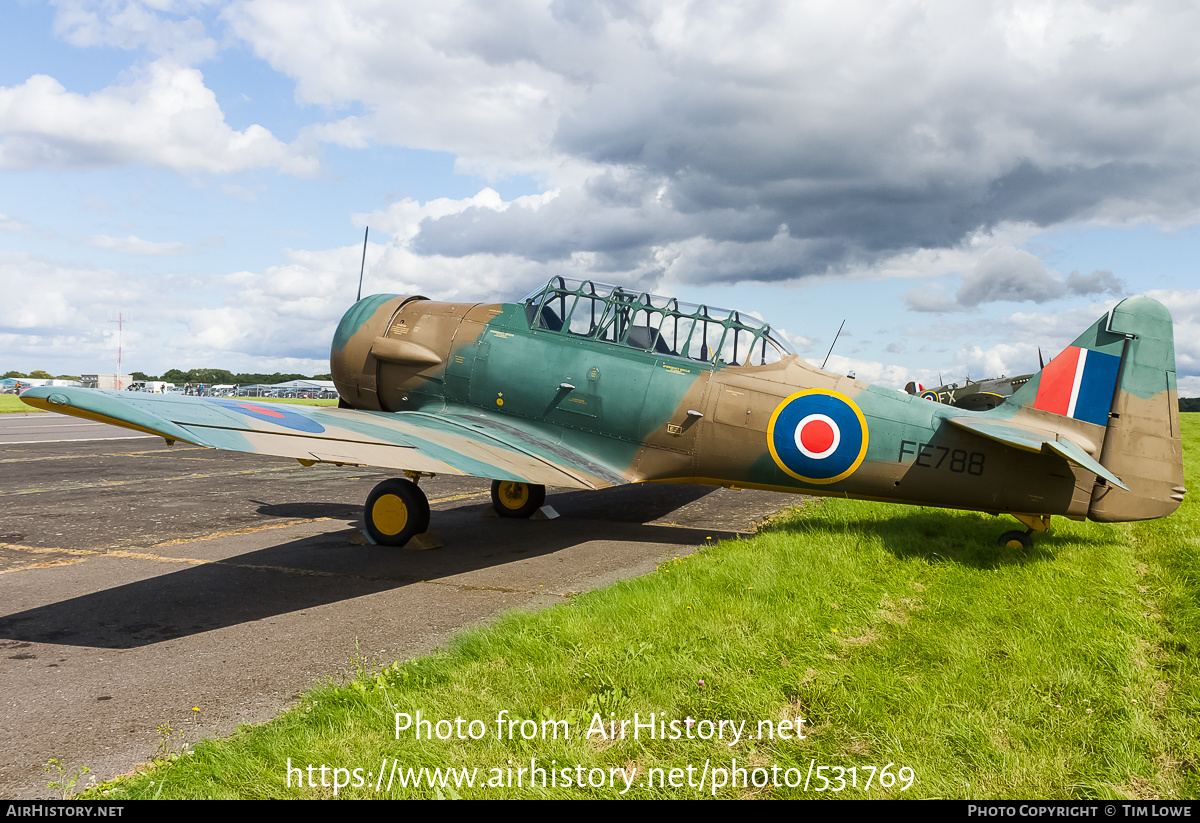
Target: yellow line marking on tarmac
x=453, y=497
x=251, y=530
x=47, y=565
x=86, y=554
x=102, y=484
x=107, y=454
x=128, y=555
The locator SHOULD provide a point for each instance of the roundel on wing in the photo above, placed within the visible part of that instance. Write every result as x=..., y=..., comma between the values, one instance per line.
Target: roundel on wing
x=818, y=436
x=276, y=413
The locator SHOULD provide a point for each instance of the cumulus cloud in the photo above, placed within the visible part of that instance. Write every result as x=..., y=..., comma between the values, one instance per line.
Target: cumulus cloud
x=1003, y=360
x=1101, y=281
x=675, y=142
x=136, y=245
x=865, y=129
x=1029, y=333
x=12, y=224
x=61, y=313
x=159, y=26
x=41, y=297
x=165, y=117
x=931, y=297
x=1006, y=274
x=872, y=371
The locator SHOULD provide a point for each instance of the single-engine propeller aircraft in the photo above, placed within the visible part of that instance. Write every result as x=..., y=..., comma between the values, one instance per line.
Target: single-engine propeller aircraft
x=976, y=395
x=586, y=386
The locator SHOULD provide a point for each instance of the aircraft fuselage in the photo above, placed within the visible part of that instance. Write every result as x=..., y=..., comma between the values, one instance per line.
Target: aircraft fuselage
x=670, y=418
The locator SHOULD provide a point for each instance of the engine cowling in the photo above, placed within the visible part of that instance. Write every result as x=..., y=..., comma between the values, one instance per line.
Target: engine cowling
x=391, y=352
x=353, y=360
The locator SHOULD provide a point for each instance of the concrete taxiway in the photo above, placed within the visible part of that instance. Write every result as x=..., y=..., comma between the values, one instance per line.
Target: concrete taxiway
x=139, y=583
x=39, y=427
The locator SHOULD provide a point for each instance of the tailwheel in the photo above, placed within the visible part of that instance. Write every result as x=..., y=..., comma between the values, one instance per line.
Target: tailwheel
x=1016, y=540
x=396, y=511
x=511, y=499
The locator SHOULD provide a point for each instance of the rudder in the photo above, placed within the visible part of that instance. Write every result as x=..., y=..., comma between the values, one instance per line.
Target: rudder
x=1120, y=374
x=1142, y=445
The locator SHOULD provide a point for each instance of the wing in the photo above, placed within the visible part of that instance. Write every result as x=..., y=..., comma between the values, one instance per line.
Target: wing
x=456, y=440
x=1033, y=441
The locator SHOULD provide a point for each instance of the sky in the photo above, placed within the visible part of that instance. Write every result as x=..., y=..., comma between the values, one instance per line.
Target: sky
x=965, y=183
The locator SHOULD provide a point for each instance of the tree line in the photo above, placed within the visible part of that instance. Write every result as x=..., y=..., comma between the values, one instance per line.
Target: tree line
x=38, y=374
x=218, y=377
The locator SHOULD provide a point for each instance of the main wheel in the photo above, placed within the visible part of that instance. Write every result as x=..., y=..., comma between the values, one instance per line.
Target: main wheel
x=516, y=499
x=396, y=510
x=1016, y=540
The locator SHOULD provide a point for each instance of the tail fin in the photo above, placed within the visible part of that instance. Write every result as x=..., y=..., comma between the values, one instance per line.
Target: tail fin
x=1120, y=374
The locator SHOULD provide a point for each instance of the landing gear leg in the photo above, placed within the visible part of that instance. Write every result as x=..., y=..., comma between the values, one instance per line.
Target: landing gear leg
x=396, y=511
x=511, y=499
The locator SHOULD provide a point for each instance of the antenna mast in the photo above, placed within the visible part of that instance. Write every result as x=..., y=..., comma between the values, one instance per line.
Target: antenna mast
x=120, y=321
x=363, y=267
x=831, y=345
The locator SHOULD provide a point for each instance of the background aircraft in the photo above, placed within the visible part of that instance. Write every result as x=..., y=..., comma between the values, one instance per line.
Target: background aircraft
x=976, y=395
x=585, y=385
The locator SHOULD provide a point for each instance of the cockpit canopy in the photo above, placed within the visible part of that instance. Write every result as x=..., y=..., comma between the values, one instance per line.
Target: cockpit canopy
x=652, y=323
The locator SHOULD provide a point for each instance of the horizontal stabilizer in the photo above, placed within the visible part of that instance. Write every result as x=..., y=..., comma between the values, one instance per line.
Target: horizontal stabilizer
x=1036, y=442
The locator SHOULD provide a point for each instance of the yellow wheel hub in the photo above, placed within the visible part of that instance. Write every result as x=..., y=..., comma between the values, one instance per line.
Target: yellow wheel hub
x=514, y=495
x=389, y=514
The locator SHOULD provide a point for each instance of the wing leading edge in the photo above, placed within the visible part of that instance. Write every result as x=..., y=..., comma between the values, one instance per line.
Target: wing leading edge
x=454, y=441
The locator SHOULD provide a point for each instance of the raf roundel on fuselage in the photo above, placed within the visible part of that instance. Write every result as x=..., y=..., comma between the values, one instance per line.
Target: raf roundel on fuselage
x=818, y=436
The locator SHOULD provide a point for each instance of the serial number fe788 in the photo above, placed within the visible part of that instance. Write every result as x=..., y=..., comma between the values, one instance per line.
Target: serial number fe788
x=934, y=456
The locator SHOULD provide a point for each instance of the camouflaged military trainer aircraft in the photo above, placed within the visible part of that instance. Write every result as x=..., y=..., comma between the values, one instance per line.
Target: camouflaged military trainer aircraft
x=585, y=386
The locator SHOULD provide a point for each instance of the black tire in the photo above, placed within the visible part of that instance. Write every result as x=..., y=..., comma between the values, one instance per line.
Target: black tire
x=511, y=499
x=1016, y=539
x=395, y=512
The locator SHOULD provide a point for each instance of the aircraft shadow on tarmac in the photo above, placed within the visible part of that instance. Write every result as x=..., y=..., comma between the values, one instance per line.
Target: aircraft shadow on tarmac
x=322, y=569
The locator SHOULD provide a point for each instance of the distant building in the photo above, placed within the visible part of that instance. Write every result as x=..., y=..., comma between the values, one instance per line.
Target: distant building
x=300, y=388
x=306, y=385
x=119, y=382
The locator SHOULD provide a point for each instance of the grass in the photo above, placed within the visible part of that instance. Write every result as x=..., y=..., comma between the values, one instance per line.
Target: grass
x=11, y=404
x=901, y=636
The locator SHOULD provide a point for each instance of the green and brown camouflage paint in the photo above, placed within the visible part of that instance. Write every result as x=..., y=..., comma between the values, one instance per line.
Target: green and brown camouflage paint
x=651, y=417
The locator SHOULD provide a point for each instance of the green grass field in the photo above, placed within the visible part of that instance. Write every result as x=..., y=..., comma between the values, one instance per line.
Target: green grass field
x=10, y=404
x=923, y=659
